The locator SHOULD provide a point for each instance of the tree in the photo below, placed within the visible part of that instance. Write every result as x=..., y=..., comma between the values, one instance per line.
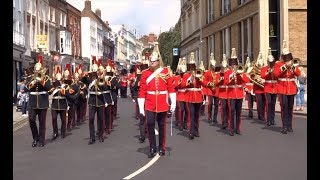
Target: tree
x=169, y=40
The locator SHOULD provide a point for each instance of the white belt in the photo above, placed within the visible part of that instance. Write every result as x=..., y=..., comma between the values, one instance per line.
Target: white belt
x=223, y=86
x=99, y=93
x=271, y=81
x=235, y=86
x=37, y=93
x=181, y=90
x=157, y=92
x=250, y=84
x=286, y=79
x=58, y=97
x=193, y=89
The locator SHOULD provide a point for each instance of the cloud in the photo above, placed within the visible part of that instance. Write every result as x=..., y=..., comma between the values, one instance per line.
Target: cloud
x=144, y=15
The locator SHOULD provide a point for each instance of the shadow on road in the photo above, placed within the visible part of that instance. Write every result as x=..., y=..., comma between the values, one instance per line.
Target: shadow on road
x=272, y=128
x=184, y=133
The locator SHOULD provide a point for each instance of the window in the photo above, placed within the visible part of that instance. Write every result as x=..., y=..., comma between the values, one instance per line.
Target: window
x=226, y=42
x=210, y=15
x=274, y=27
x=225, y=6
x=241, y=2
x=210, y=45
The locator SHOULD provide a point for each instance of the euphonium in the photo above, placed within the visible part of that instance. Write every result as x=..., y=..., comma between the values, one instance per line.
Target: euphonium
x=40, y=75
x=100, y=81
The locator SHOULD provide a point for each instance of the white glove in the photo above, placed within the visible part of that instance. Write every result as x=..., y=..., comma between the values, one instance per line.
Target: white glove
x=68, y=108
x=141, y=105
x=204, y=103
x=173, y=98
x=106, y=105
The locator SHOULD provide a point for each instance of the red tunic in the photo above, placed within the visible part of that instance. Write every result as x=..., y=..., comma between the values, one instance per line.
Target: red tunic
x=193, y=89
x=271, y=83
x=235, y=88
x=179, y=89
x=156, y=91
x=208, y=78
x=286, y=79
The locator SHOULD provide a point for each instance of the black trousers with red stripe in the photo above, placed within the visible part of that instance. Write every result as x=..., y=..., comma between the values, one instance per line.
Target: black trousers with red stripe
x=92, y=112
x=152, y=118
x=193, y=116
x=108, y=123
x=181, y=113
x=213, y=101
x=202, y=107
x=84, y=111
x=54, y=114
x=224, y=112
x=286, y=102
x=261, y=105
x=79, y=111
x=235, y=106
x=71, y=116
x=136, y=107
x=38, y=135
x=271, y=105
x=250, y=99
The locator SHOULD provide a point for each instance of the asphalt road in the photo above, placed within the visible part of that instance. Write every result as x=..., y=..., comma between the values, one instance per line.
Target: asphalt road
x=260, y=153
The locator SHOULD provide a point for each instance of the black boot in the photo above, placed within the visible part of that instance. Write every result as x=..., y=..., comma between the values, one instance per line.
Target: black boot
x=152, y=153
x=91, y=141
x=34, y=143
x=54, y=136
x=162, y=152
x=142, y=139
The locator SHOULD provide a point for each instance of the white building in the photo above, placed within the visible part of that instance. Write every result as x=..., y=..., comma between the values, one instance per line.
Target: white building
x=18, y=42
x=95, y=35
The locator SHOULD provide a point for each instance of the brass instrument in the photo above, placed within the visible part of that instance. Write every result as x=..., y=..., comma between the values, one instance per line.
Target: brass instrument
x=296, y=62
x=199, y=73
x=100, y=81
x=240, y=69
x=255, y=75
x=40, y=75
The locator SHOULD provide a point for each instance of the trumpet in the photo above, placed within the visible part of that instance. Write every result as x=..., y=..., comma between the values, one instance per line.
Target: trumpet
x=296, y=62
x=100, y=81
x=240, y=69
x=199, y=73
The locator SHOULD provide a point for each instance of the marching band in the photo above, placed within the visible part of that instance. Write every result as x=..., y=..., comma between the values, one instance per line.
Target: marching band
x=156, y=91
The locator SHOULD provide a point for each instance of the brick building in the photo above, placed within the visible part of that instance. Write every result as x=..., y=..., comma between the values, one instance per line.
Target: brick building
x=249, y=26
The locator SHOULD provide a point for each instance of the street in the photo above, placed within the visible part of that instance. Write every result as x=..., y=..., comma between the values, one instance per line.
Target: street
x=259, y=153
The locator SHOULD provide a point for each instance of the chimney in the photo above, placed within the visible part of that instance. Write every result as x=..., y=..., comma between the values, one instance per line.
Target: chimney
x=87, y=4
x=98, y=12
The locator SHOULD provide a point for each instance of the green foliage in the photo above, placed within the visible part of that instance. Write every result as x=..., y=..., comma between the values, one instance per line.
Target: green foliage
x=169, y=40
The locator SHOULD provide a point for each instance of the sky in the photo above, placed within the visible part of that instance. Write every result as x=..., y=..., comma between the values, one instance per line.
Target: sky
x=144, y=15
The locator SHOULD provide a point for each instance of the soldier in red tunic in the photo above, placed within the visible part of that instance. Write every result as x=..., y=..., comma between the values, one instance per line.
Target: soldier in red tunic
x=248, y=88
x=192, y=81
x=211, y=78
x=286, y=70
x=223, y=96
x=258, y=89
x=236, y=79
x=270, y=88
x=181, y=114
x=155, y=86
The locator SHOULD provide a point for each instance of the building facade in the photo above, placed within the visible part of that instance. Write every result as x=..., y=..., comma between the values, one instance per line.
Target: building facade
x=95, y=35
x=19, y=49
x=250, y=26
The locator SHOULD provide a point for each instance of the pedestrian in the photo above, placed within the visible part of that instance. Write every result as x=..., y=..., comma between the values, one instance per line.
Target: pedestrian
x=287, y=89
x=25, y=99
x=302, y=79
x=155, y=86
x=38, y=88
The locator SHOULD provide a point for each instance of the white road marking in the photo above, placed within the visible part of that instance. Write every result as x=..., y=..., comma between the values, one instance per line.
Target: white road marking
x=156, y=132
x=19, y=126
x=153, y=160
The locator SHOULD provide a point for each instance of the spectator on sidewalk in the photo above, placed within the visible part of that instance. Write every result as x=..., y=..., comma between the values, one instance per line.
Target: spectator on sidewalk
x=302, y=81
x=24, y=98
